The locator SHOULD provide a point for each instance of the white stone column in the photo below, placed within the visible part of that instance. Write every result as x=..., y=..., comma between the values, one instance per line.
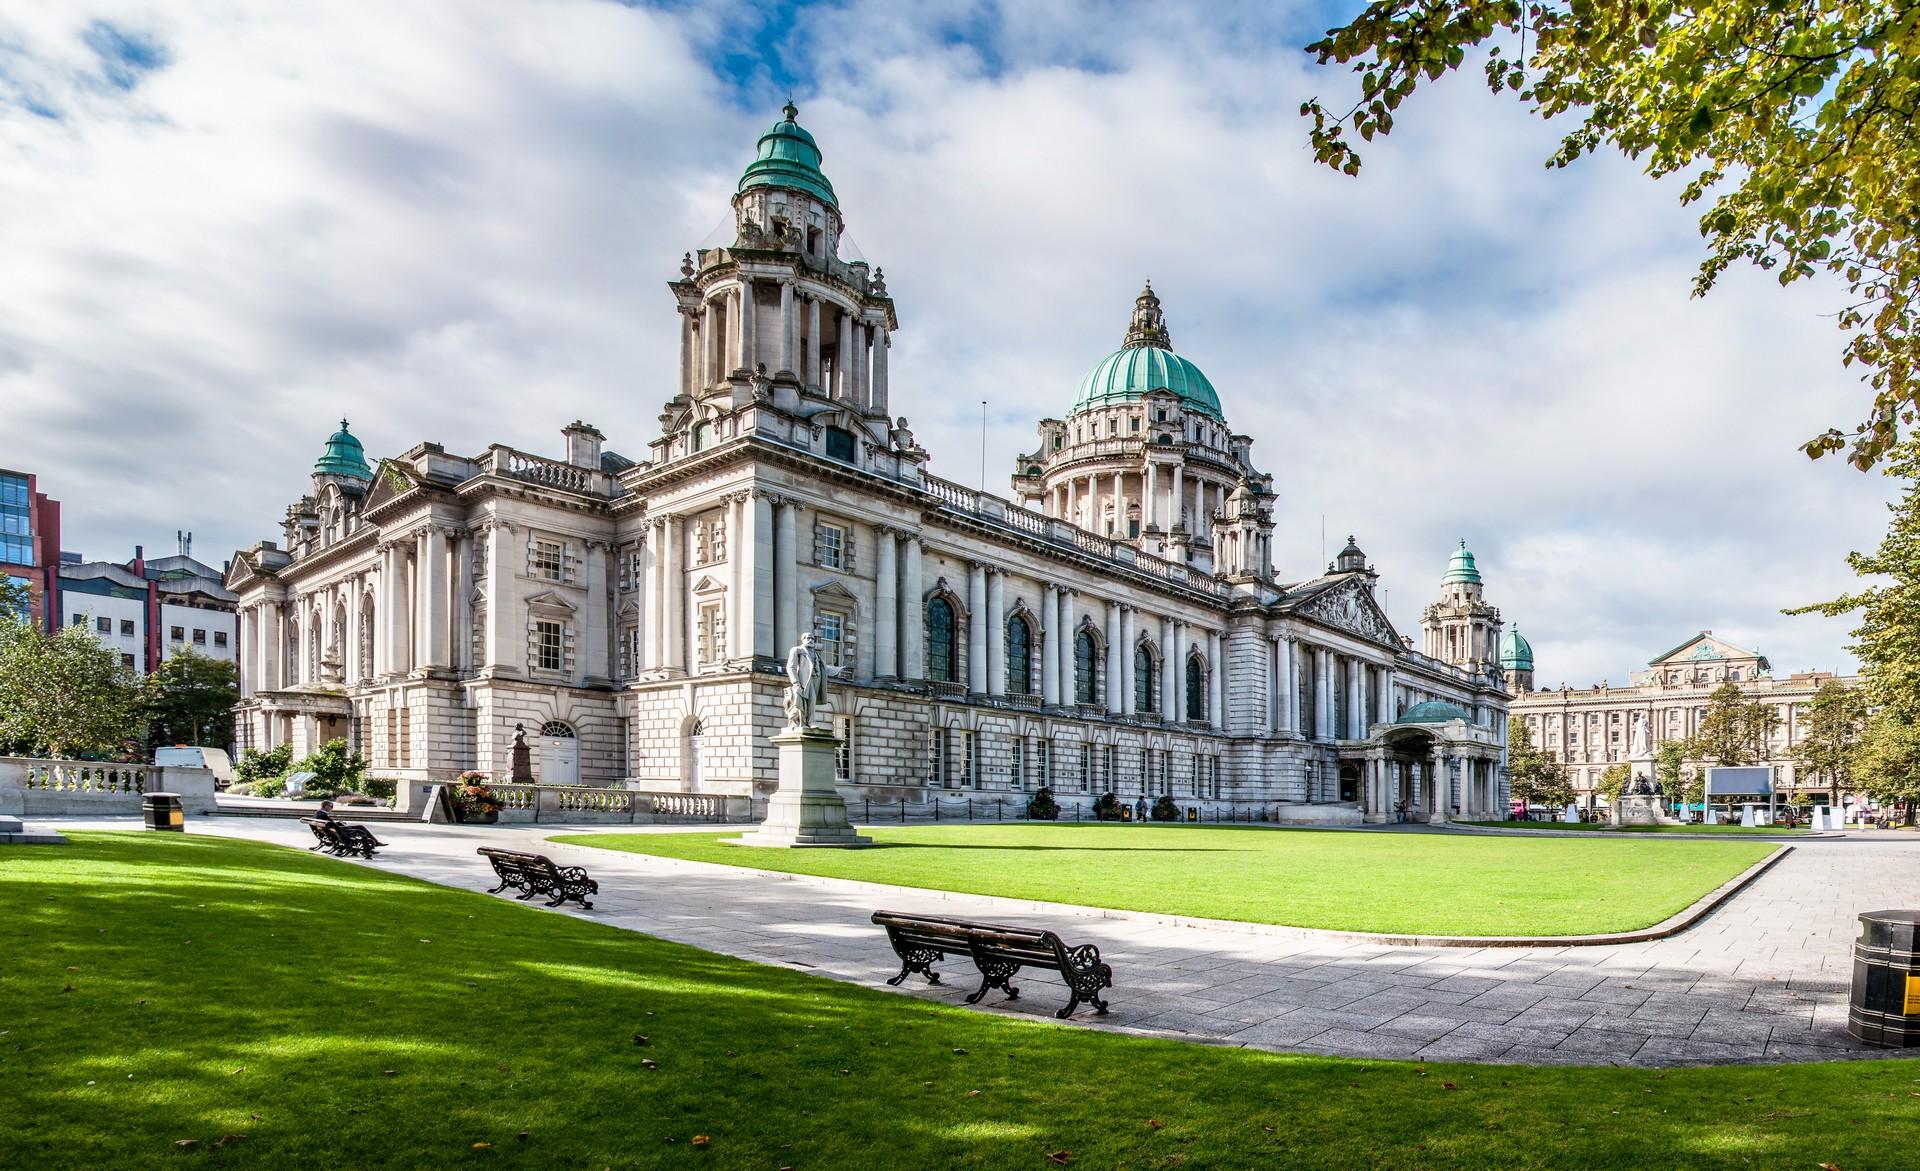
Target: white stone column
x=786, y=575
x=886, y=604
x=432, y=585
x=506, y=640
x=858, y=367
x=273, y=640
x=1071, y=515
x=1049, y=647
x=913, y=614
x=755, y=631
x=996, y=632
x=881, y=341
x=749, y=312
x=710, y=341
x=596, y=637
x=1386, y=695
x=843, y=360
x=812, y=375
x=1114, y=705
x=1069, y=688
x=977, y=628
x=653, y=629
x=1177, y=499
x=789, y=327
x=1216, y=677
x=739, y=578
x=676, y=592
x=1150, y=503
x=1289, y=688
x=1172, y=671
x=1322, y=693
x=689, y=354
x=1129, y=638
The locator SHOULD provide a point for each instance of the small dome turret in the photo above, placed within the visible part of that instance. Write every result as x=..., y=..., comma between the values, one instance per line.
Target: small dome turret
x=343, y=456
x=1351, y=559
x=1462, y=568
x=1516, y=653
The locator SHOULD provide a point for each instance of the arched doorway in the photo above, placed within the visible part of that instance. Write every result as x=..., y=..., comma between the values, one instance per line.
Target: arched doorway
x=1349, y=781
x=559, y=754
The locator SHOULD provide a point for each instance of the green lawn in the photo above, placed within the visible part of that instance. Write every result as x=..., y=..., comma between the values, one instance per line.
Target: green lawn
x=1434, y=884
x=160, y=989
x=1603, y=827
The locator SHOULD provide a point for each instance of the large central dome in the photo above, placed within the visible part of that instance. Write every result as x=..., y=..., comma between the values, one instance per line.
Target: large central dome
x=1146, y=362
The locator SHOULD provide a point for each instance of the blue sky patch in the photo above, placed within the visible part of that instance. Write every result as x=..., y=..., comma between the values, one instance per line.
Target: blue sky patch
x=124, y=56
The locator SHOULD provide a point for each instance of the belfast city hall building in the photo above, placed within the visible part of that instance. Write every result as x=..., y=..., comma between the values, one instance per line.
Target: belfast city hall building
x=1113, y=623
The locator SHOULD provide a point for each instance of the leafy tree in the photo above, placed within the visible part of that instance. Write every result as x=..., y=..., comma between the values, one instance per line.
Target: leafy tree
x=1682, y=782
x=14, y=599
x=1164, y=809
x=64, y=694
x=1797, y=118
x=1535, y=778
x=258, y=764
x=191, y=699
x=1613, y=782
x=335, y=769
x=1886, y=762
x=1831, y=731
x=1887, y=641
x=1106, y=807
x=1042, y=806
x=1733, y=729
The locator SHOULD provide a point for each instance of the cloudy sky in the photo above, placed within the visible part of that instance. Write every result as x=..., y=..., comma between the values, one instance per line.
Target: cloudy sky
x=225, y=225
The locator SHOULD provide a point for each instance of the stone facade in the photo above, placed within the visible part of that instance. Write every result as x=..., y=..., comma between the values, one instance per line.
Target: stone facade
x=633, y=615
x=1588, y=729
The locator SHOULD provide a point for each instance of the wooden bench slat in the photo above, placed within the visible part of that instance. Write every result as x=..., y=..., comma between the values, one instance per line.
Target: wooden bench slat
x=537, y=874
x=998, y=951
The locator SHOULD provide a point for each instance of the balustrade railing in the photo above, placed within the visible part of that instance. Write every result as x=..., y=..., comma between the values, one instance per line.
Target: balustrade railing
x=75, y=777
x=552, y=473
x=562, y=800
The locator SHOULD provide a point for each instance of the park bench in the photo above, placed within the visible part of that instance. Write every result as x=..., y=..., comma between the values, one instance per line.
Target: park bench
x=342, y=839
x=998, y=952
x=536, y=874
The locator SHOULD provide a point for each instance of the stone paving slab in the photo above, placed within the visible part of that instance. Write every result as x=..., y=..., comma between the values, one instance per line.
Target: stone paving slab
x=1762, y=978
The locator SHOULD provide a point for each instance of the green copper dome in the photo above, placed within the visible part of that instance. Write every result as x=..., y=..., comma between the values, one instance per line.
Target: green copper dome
x=1434, y=711
x=789, y=158
x=1516, y=653
x=1146, y=362
x=343, y=456
x=1462, y=568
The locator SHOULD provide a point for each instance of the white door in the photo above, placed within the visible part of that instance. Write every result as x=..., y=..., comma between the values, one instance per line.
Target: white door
x=559, y=755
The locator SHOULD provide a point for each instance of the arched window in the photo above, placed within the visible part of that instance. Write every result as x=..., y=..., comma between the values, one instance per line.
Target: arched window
x=1019, y=656
x=1196, y=690
x=1144, y=678
x=1086, y=658
x=940, y=660
x=557, y=728
x=702, y=437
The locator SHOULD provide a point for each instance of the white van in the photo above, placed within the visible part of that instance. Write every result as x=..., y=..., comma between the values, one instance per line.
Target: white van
x=214, y=760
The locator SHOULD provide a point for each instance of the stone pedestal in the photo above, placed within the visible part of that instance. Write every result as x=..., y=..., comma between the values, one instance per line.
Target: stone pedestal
x=1641, y=809
x=807, y=809
x=14, y=832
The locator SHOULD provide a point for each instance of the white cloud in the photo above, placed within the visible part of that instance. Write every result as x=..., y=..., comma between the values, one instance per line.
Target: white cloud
x=453, y=221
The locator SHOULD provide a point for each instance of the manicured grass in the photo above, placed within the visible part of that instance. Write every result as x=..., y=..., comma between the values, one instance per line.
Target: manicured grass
x=160, y=988
x=1433, y=884
x=1603, y=827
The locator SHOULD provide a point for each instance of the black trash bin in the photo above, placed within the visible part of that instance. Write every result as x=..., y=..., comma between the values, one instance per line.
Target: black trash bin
x=162, y=811
x=1885, y=1007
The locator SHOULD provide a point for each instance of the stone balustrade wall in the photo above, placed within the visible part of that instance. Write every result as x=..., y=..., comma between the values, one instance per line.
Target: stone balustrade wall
x=32, y=787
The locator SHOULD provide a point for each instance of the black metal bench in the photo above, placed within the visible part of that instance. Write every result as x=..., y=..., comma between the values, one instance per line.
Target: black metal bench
x=342, y=839
x=537, y=874
x=998, y=951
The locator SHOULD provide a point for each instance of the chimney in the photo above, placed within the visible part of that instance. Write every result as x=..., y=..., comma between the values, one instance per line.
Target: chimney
x=583, y=444
x=139, y=564
x=186, y=542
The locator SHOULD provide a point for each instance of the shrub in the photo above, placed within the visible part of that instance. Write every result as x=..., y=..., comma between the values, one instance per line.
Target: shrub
x=1165, y=810
x=384, y=788
x=335, y=769
x=471, y=800
x=1106, y=807
x=270, y=786
x=1042, y=807
x=257, y=765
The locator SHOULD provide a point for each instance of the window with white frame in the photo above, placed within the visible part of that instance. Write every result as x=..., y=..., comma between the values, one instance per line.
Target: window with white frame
x=830, y=631
x=1166, y=771
x=969, y=760
x=937, y=757
x=713, y=632
x=1043, y=762
x=1146, y=770
x=548, y=560
x=629, y=650
x=1017, y=765
x=549, y=645
x=830, y=546
x=1108, y=758
x=843, y=751
x=1086, y=768
x=709, y=542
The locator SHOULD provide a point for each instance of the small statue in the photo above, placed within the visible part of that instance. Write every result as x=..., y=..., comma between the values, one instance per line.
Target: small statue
x=686, y=264
x=806, y=682
x=879, y=280
x=1639, y=746
x=522, y=757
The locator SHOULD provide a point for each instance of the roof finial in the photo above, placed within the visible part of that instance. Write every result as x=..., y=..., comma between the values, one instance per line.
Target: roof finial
x=1149, y=325
x=343, y=422
x=790, y=112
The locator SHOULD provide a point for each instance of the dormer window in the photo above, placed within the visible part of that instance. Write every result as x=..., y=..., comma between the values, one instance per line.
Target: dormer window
x=840, y=444
x=1160, y=415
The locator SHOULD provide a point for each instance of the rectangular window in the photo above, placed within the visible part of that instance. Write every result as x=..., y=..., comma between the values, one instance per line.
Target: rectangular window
x=178, y=634
x=549, y=560
x=1017, y=768
x=1043, y=762
x=126, y=661
x=1166, y=772
x=1107, y=760
x=219, y=638
x=549, y=652
x=936, y=757
x=126, y=628
x=1086, y=768
x=1213, y=780
x=199, y=637
x=406, y=738
x=717, y=540
x=830, y=628
x=830, y=546
x=969, y=759
x=713, y=633
x=103, y=625
x=79, y=619
x=843, y=751
x=629, y=651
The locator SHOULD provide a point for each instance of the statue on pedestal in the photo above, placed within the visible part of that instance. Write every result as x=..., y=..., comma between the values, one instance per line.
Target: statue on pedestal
x=1638, y=746
x=522, y=757
x=806, y=683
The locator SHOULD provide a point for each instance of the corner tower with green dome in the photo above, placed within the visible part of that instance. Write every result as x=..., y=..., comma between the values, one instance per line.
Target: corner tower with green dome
x=1145, y=456
x=1461, y=629
x=784, y=327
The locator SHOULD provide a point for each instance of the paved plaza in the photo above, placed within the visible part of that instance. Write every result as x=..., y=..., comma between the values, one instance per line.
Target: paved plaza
x=1763, y=978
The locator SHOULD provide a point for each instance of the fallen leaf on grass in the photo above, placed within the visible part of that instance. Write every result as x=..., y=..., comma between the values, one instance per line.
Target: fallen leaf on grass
x=641, y=1039
x=1448, y=1086
x=1828, y=1167
x=68, y=988
x=960, y=1052
x=1061, y=1157
x=1154, y=1123
x=522, y=1136
x=973, y=1093
x=390, y=1072
x=701, y=1140
x=481, y=1146
x=242, y=1069
x=227, y=1139
x=186, y=1144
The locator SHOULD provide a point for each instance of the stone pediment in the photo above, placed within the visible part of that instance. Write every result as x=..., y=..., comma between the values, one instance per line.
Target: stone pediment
x=1349, y=606
x=548, y=600
x=1705, y=648
x=835, y=592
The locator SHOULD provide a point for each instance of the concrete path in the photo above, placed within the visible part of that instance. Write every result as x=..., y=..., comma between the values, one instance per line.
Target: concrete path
x=1764, y=978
